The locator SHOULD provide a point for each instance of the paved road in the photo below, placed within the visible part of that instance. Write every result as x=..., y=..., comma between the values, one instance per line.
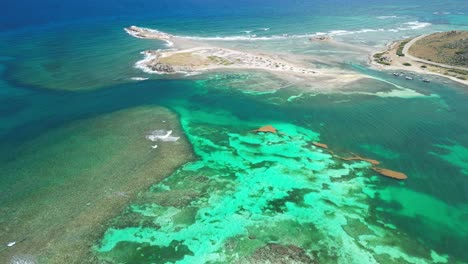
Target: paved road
x=408, y=46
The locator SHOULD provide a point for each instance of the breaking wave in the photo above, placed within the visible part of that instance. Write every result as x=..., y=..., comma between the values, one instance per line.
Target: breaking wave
x=161, y=135
x=386, y=17
x=413, y=25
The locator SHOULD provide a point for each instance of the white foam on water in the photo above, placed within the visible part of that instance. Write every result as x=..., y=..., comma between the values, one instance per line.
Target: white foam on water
x=169, y=43
x=386, y=17
x=161, y=135
x=412, y=25
x=165, y=36
x=139, y=79
x=143, y=64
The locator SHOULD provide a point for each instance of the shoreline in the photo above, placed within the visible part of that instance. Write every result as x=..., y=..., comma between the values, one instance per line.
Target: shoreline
x=416, y=65
x=203, y=59
x=191, y=57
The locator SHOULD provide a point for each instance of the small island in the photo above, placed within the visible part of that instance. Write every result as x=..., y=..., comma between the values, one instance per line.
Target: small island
x=200, y=59
x=191, y=56
x=443, y=53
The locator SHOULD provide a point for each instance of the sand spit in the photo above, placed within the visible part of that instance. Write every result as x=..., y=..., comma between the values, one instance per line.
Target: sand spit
x=202, y=59
x=192, y=56
x=146, y=33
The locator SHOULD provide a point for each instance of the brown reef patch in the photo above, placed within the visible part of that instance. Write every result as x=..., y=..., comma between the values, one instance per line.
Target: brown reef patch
x=389, y=173
x=384, y=172
x=356, y=157
x=320, y=145
x=267, y=129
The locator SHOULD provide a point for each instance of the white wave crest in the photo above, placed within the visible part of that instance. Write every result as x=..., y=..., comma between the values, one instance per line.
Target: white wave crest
x=138, y=78
x=386, y=17
x=414, y=25
x=162, y=135
x=142, y=64
x=137, y=31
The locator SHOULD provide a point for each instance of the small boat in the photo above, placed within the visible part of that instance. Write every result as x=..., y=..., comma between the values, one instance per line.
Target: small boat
x=396, y=74
x=426, y=80
x=408, y=78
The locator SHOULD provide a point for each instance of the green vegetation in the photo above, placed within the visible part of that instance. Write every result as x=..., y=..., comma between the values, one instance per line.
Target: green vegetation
x=443, y=47
x=378, y=55
x=457, y=71
x=220, y=60
x=459, y=74
x=423, y=66
x=399, y=51
x=380, y=58
x=383, y=62
x=407, y=64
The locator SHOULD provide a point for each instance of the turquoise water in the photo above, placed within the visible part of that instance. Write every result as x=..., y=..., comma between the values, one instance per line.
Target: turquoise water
x=74, y=153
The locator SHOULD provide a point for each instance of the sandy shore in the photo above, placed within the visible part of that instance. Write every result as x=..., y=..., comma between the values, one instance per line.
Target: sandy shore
x=200, y=59
x=189, y=57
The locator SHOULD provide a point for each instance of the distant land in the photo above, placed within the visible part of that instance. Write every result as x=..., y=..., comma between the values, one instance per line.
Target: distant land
x=446, y=47
x=442, y=53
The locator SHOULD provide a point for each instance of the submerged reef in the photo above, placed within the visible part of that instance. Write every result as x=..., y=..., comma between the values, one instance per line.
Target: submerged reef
x=257, y=198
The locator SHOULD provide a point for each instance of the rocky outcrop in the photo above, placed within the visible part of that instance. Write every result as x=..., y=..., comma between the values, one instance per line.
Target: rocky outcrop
x=321, y=38
x=161, y=67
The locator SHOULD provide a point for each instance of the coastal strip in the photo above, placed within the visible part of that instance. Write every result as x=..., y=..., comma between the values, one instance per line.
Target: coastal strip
x=399, y=56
